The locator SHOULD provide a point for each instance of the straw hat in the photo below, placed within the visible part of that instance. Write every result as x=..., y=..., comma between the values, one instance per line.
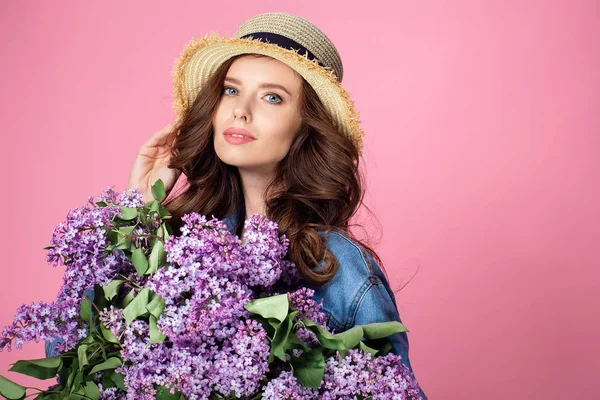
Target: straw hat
x=285, y=37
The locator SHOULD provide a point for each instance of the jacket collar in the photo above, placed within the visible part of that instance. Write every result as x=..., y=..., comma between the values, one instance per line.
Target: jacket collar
x=235, y=220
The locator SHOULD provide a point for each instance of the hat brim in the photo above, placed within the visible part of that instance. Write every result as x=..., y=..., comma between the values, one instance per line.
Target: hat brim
x=202, y=57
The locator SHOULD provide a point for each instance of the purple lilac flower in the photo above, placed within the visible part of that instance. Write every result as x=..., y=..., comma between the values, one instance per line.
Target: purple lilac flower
x=44, y=321
x=131, y=198
x=263, y=250
x=357, y=374
x=290, y=275
x=214, y=305
x=241, y=363
x=208, y=244
x=145, y=365
x=287, y=387
x=213, y=345
x=113, y=319
x=80, y=242
x=109, y=196
x=113, y=393
x=302, y=300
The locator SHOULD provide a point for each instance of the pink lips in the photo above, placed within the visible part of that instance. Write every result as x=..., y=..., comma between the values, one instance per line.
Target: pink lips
x=246, y=138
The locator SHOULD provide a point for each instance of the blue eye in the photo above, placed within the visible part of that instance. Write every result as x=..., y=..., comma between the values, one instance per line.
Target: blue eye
x=272, y=94
x=226, y=88
x=277, y=97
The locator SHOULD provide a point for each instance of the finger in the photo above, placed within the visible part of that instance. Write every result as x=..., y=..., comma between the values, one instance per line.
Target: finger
x=161, y=137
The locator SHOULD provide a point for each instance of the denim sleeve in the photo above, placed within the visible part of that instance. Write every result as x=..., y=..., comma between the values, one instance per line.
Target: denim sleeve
x=50, y=345
x=377, y=305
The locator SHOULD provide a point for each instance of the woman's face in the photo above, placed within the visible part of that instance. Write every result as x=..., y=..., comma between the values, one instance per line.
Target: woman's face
x=262, y=96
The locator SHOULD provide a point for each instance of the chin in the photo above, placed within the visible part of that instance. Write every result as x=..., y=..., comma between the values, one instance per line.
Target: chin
x=234, y=158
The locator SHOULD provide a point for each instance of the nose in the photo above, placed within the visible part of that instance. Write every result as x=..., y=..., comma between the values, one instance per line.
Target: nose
x=241, y=110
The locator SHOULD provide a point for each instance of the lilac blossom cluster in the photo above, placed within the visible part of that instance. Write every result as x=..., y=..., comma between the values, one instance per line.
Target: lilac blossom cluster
x=357, y=375
x=79, y=243
x=212, y=345
x=44, y=321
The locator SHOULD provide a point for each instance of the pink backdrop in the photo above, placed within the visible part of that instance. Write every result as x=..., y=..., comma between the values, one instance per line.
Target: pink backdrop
x=481, y=158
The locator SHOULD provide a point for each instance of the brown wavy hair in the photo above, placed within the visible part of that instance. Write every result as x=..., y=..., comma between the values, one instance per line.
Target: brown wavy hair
x=317, y=186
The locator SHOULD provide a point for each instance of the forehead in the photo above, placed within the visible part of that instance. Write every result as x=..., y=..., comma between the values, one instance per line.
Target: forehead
x=252, y=68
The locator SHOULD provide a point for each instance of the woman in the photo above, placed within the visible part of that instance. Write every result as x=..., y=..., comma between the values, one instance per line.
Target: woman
x=266, y=127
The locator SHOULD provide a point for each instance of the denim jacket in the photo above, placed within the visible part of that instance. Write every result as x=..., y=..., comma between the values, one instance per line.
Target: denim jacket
x=358, y=294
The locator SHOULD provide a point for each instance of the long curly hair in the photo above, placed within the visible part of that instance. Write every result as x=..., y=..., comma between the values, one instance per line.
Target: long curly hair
x=317, y=186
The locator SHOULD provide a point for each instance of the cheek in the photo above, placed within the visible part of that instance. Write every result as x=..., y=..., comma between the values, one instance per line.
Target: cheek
x=218, y=116
x=285, y=136
x=284, y=125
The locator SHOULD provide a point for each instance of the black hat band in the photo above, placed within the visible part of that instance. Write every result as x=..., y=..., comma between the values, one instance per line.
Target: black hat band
x=284, y=42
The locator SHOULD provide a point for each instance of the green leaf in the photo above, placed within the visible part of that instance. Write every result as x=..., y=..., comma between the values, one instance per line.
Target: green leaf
x=76, y=395
x=270, y=307
x=158, y=190
x=351, y=337
x=71, y=377
x=156, y=306
x=127, y=299
x=108, y=335
x=380, y=330
x=43, y=368
x=163, y=232
x=282, y=332
x=111, y=363
x=295, y=343
x=163, y=393
x=257, y=396
x=386, y=348
x=117, y=378
x=50, y=396
x=110, y=379
x=367, y=349
x=112, y=288
x=82, y=356
x=77, y=382
x=124, y=237
x=154, y=207
x=140, y=262
x=91, y=390
x=11, y=390
x=156, y=337
x=164, y=213
x=128, y=213
x=158, y=256
x=309, y=368
x=125, y=230
x=87, y=340
x=137, y=307
x=107, y=382
x=85, y=310
x=99, y=299
x=326, y=338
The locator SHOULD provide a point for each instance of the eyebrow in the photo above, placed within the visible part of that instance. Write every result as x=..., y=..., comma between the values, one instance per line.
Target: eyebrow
x=262, y=85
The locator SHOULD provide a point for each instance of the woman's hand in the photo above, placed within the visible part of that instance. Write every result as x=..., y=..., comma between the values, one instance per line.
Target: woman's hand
x=151, y=163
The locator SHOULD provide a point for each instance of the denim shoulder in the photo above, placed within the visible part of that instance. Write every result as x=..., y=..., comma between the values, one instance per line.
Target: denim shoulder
x=359, y=293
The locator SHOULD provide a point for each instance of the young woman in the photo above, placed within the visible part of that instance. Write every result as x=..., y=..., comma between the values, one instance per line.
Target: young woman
x=266, y=127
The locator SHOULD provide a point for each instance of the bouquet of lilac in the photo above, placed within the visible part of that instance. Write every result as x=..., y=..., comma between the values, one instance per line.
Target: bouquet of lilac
x=146, y=314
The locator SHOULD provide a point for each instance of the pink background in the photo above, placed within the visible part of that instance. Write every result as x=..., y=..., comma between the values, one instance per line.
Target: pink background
x=482, y=122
